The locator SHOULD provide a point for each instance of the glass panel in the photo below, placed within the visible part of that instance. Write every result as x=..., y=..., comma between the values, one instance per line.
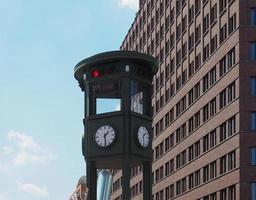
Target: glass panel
x=138, y=98
x=105, y=105
x=253, y=51
x=253, y=191
x=105, y=97
x=253, y=121
x=253, y=86
x=253, y=16
x=253, y=156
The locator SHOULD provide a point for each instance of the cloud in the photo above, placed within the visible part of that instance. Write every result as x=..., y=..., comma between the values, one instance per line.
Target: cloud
x=132, y=4
x=23, y=150
x=24, y=157
x=32, y=189
x=24, y=141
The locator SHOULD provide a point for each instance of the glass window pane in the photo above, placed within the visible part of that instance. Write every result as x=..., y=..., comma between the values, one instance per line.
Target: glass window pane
x=138, y=98
x=253, y=191
x=253, y=86
x=253, y=156
x=253, y=16
x=253, y=121
x=253, y=51
x=105, y=105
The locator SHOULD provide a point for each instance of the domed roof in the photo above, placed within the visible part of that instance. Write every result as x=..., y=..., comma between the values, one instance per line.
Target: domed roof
x=82, y=180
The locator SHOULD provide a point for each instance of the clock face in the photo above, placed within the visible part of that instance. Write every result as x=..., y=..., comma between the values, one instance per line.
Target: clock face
x=143, y=136
x=105, y=136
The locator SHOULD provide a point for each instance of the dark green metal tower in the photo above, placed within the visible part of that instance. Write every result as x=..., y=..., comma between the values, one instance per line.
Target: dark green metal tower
x=120, y=136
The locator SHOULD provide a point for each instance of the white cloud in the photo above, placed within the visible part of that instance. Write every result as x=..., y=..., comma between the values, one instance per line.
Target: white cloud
x=32, y=189
x=24, y=157
x=132, y=4
x=23, y=150
x=24, y=141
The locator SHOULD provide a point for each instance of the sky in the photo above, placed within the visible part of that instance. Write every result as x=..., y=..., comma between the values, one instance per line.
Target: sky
x=41, y=105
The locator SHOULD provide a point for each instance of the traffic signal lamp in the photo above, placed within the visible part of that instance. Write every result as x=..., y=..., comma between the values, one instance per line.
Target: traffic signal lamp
x=104, y=71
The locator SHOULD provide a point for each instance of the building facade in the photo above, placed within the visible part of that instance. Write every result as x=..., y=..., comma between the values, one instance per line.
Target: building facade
x=204, y=98
x=81, y=190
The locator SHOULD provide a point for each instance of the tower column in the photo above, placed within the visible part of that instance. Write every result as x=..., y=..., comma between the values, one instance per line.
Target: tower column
x=126, y=171
x=147, y=181
x=91, y=174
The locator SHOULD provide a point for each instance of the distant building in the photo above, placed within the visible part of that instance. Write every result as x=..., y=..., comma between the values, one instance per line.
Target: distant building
x=81, y=190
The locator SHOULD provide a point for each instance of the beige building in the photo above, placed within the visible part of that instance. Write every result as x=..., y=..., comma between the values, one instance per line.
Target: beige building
x=81, y=190
x=204, y=98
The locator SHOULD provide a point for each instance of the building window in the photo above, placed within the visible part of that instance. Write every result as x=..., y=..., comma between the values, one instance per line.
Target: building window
x=223, y=194
x=213, y=196
x=223, y=33
x=205, y=143
x=231, y=160
x=253, y=121
x=253, y=16
x=213, y=170
x=206, y=173
x=213, y=138
x=232, y=24
x=191, y=181
x=212, y=107
x=197, y=178
x=232, y=192
x=178, y=187
x=223, y=100
x=169, y=192
x=214, y=43
x=253, y=156
x=253, y=191
x=253, y=86
x=223, y=164
x=253, y=50
x=223, y=5
x=214, y=13
x=191, y=153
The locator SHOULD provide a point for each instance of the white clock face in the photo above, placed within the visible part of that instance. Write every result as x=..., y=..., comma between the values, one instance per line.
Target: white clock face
x=143, y=136
x=105, y=136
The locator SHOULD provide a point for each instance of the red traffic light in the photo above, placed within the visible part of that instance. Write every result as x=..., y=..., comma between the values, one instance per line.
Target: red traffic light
x=95, y=73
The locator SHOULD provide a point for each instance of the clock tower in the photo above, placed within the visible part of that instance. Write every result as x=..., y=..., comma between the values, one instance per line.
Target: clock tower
x=118, y=116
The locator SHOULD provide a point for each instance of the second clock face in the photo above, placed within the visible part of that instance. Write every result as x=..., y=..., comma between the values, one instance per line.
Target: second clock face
x=105, y=136
x=143, y=136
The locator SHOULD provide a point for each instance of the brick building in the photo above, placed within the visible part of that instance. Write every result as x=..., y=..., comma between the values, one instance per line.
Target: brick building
x=204, y=98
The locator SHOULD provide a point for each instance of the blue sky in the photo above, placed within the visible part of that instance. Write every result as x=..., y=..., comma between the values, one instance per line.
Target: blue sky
x=41, y=105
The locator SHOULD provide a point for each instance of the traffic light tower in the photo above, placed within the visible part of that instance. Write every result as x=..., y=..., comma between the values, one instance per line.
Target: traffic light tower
x=118, y=116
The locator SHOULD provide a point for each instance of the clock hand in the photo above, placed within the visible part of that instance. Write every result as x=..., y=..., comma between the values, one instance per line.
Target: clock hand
x=105, y=139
